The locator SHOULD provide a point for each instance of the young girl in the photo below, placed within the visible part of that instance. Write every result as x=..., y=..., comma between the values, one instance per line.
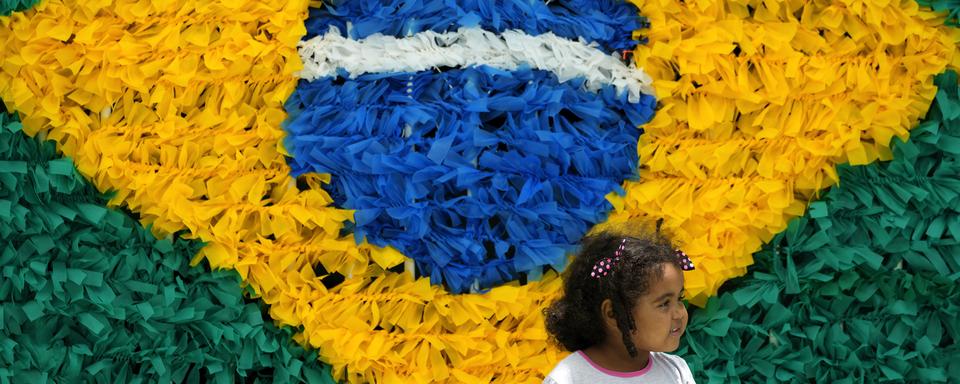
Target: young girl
x=620, y=312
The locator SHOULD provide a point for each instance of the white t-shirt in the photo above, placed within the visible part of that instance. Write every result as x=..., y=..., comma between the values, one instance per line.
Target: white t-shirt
x=578, y=368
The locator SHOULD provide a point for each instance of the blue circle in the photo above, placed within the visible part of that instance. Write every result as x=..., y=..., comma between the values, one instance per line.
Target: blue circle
x=480, y=175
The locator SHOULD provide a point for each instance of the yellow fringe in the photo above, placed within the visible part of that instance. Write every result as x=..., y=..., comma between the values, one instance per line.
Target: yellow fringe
x=177, y=106
x=759, y=100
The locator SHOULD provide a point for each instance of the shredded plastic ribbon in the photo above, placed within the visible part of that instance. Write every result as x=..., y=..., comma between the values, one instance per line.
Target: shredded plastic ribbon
x=608, y=23
x=89, y=295
x=327, y=54
x=758, y=102
x=8, y=6
x=482, y=174
x=864, y=287
x=177, y=108
x=478, y=174
x=950, y=7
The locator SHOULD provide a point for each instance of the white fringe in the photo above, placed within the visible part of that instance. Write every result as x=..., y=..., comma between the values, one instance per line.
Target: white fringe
x=568, y=59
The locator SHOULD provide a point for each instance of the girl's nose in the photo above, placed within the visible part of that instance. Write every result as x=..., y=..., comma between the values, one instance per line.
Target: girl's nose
x=680, y=311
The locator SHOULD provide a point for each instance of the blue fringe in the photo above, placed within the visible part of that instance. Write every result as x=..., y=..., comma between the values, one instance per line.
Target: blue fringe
x=500, y=173
x=609, y=23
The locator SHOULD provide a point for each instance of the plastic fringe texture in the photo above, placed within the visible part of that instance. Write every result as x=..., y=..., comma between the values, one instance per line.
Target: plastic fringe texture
x=492, y=169
x=758, y=102
x=88, y=295
x=864, y=287
x=190, y=138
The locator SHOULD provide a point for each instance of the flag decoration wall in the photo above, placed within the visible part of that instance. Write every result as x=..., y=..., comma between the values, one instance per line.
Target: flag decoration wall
x=399, y=182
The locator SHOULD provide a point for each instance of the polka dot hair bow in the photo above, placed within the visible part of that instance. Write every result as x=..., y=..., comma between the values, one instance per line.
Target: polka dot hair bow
x=685, y=263
x=605, y=266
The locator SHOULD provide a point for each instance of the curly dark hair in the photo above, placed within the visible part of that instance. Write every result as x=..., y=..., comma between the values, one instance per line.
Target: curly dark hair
x=574, y=320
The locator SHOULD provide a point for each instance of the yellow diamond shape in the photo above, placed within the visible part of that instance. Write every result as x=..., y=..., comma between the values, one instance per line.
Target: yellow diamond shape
x=177, y=107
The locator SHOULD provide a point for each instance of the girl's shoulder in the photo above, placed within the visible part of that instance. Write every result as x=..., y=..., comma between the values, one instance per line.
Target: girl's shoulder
x=566, y=369
x=666, y=357
x=675, y=364
x=663, y=368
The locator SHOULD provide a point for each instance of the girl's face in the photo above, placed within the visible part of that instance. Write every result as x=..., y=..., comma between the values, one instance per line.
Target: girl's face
x=659, y=315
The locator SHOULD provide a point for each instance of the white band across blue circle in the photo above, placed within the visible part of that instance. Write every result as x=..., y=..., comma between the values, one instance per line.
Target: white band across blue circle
x=478, y=137
x=327, y=54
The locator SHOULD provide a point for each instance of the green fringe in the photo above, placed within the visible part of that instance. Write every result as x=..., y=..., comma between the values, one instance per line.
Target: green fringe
x=950, y=7
x=9, y=6
x=88, y=295
x=864, y=288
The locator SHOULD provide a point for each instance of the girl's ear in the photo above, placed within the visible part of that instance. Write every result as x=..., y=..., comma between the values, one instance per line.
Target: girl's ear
x=609, y=319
